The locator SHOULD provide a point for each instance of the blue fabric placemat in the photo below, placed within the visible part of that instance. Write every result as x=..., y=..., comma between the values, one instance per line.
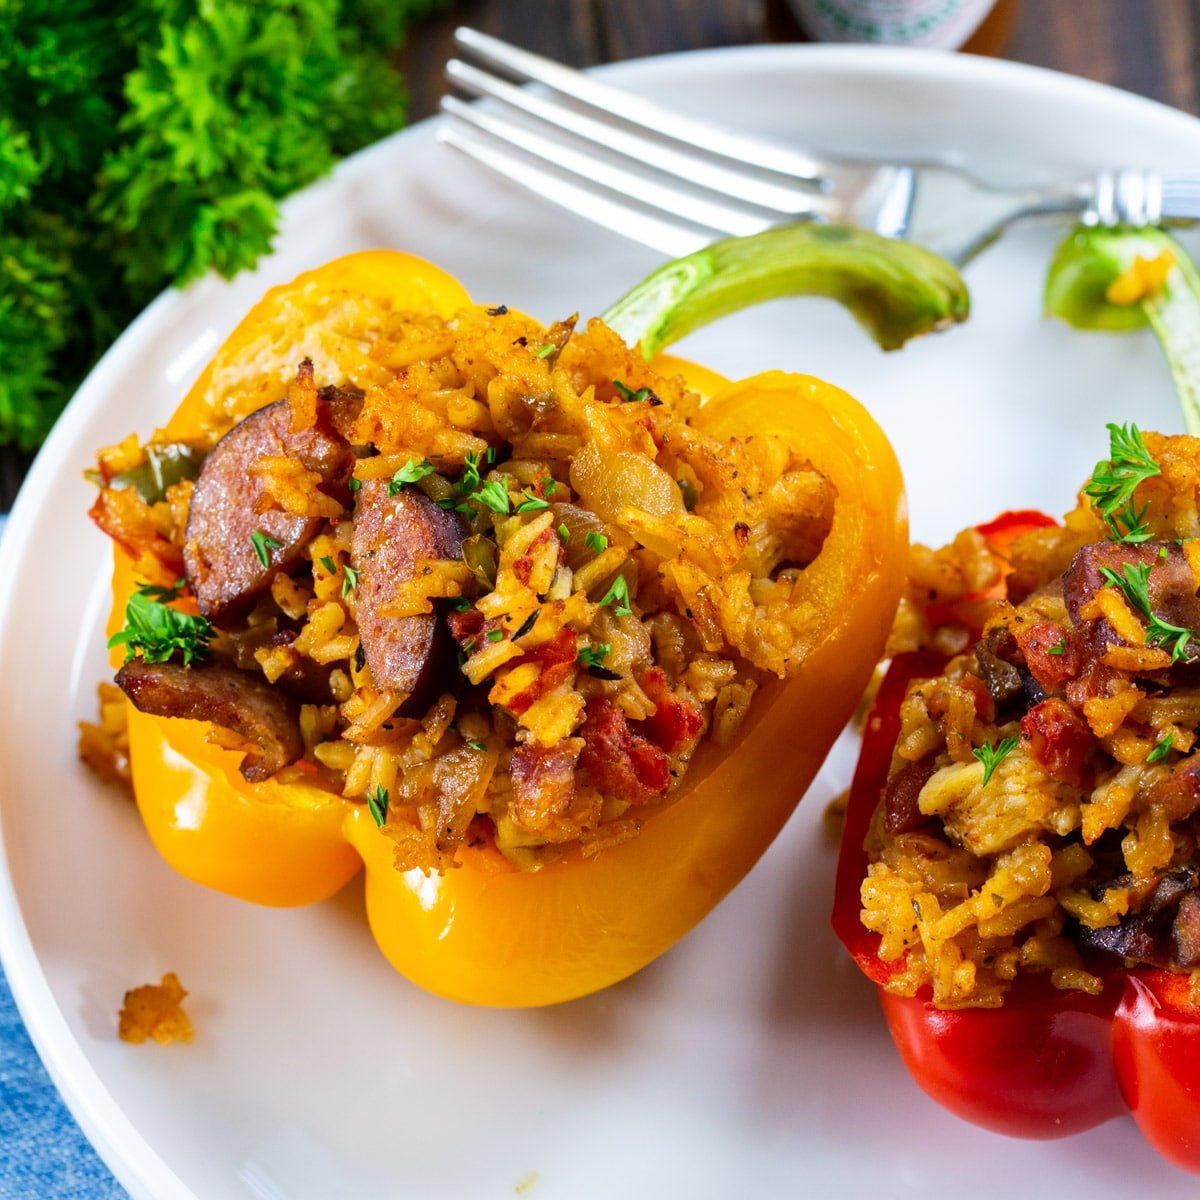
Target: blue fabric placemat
x=43, y=1153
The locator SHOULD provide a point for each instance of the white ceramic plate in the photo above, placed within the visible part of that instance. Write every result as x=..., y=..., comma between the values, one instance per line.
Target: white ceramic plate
x=750, y=1060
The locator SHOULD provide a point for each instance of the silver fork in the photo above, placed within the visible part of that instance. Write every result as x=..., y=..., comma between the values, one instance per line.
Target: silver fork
x=676, y=183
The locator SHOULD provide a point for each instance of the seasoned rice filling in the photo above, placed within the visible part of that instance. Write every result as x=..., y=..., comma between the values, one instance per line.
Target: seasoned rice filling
x=1043, y=805
x=495, y=584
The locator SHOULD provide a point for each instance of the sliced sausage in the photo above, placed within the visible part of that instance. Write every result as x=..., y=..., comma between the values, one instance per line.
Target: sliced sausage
x=233, y=699
x=1178, y=795
x=1005, y=670
x=343, y=404
x=543, y=782
x=1171, y=587
x=1185, y=932
x=901, y=808
x=1002, y=678
x=1163, y=932
x=219, y=554
x=1137, y=938
x=391, y=533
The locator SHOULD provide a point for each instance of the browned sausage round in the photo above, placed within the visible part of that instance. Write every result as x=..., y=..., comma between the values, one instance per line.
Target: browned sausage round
x=1170, y=587
x=233, y=699
x=222, y=563
x=410, y=654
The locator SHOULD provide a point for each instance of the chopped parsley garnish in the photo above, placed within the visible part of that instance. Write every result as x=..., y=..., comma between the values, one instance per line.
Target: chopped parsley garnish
x=490, y=454
x=618, y=597
x=549, y=486
x=476, y=744
x=495, y=635
x=1113, y=483
x=991, y=756
x=564, y=533
x=411, y=472
x=1059, y=647
x=469, y=480
x=493, y=494
x=545, y=351
x=328, y=563
x=498, y=311
x=156, y=591
x=351, y=580
x=527, y=624
x=488, y=493
x=596, y=542
x=531, y=503
x=1134, y=584
x=1161, y=749
x=355, y=484
x=593, y=656
x=377, y=802
x=469, y=646
x=628, y=394
x=262, y=542
x=460, y=604
x=158, y=633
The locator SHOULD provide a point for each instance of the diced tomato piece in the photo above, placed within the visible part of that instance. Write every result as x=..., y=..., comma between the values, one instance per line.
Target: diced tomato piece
x=561, y=648
x=620, y=762
x=1052, y=653
x=126, y=518
x=676, y=722
x=465, y=625
x=1059, y=739
x=523, y=564
x=557, y=660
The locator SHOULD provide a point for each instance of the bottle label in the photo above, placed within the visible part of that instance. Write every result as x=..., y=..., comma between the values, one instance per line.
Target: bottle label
x=945, y=24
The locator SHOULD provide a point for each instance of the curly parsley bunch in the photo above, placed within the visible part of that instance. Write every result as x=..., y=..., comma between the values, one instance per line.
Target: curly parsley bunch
x=145, y=143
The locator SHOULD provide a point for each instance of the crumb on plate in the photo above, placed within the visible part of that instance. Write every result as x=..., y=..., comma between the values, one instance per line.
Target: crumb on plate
x=155, y=1011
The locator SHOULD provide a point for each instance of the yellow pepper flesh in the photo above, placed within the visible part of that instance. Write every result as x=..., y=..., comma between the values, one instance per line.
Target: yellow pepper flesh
x=484, y=932
x=500, y=937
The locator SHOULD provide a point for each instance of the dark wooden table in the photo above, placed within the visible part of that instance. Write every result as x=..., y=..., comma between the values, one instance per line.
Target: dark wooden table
x=1145, y=46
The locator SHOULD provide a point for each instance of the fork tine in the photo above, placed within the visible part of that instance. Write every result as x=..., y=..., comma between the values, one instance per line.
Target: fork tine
x=635, y=109
x=791, y=201
x=673, y=200
x=621, y=216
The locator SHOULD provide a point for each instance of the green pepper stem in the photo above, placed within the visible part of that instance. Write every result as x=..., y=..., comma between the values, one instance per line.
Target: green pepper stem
x=1088, y=262
x=895, y=289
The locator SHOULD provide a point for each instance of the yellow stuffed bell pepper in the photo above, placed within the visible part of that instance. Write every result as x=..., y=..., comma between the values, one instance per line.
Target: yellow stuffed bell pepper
x=478, y=928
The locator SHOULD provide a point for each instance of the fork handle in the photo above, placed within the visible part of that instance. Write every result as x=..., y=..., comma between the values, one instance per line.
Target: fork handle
x=1181, y=197
x=1141, y=197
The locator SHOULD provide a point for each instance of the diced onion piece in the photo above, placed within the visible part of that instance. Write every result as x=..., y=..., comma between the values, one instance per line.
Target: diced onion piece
x=608, y=483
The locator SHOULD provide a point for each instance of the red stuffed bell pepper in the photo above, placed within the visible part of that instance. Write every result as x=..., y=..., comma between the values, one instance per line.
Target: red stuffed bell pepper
x=1043, y=978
